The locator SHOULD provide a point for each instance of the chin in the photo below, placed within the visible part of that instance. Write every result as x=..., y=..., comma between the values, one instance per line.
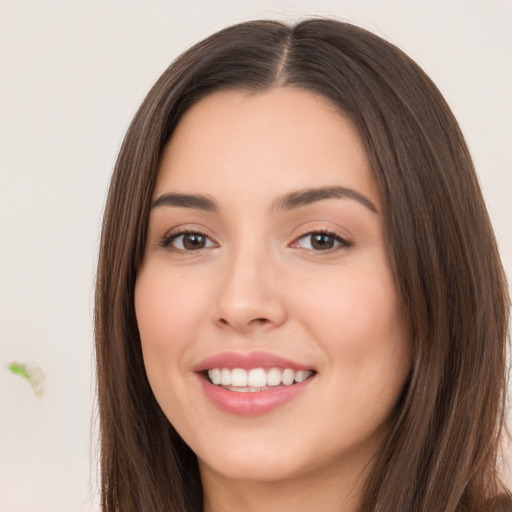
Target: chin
x=252, y=467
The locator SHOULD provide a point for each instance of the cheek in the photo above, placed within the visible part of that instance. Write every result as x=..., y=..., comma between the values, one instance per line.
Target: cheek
x=359, y=324
x=352, y=302
x=166, y=312
x=357, y=319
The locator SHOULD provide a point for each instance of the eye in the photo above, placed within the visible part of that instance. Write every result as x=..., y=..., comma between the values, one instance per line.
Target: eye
x=187, y=241
x=321, y=241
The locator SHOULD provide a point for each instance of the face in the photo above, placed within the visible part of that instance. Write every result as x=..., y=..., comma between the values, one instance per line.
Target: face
x=272, y=333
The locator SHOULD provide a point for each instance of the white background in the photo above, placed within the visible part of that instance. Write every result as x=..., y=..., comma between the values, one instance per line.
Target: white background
x=72, y=74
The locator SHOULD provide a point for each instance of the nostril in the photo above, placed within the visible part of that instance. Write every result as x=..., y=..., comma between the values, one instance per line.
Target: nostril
x=260, y=320
x=257, y=321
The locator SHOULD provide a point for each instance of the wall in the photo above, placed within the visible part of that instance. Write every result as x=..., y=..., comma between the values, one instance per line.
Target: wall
x=71, y=76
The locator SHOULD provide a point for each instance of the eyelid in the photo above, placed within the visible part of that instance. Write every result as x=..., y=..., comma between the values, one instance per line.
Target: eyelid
x=343, y=242
x=170, y=236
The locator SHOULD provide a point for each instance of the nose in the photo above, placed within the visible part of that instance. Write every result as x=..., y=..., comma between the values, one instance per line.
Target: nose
x=249, y=295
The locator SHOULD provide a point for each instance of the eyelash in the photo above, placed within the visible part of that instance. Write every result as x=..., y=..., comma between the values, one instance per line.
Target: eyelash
x=341, y=242
x=167, y=241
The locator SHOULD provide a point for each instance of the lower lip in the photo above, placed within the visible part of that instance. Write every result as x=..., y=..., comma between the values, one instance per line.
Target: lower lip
x=252, y=404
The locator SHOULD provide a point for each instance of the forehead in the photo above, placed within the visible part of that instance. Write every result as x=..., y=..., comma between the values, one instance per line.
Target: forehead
x=275, y=140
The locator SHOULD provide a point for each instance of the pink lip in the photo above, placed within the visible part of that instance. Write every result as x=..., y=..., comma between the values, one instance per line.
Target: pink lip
x=250, y=404
x=248, y=360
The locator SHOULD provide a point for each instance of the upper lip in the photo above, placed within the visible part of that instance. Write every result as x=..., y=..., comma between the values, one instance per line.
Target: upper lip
x=248, y=360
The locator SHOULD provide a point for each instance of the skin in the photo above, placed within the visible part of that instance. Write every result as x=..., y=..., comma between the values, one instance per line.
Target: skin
x=259, y=284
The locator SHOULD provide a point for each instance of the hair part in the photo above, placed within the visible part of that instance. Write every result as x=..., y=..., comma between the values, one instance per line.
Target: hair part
x=447, y=426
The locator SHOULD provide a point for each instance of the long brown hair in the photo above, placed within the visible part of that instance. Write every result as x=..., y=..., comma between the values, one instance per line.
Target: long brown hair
x=441, y=454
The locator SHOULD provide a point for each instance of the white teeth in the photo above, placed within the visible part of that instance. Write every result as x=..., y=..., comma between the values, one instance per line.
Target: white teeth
x=256, y=379
x=238, y=377
x=288, y=377
x=215, y=376
x=274, y=377
x=301, y=375
x=225, y=377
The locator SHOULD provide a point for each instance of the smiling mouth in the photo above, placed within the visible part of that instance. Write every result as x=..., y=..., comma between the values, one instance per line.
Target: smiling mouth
x=256, y=379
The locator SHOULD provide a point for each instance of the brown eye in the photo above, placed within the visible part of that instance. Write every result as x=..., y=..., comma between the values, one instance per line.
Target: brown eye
x=193, y=241
x=321, y=241
x=189, y=241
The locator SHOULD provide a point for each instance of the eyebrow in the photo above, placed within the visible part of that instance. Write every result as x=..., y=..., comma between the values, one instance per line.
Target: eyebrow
x=194, y=201
x=312, y=195
x=289, y=201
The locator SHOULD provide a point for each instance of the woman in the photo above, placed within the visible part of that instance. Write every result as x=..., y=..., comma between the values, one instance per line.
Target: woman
x=300, y=303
